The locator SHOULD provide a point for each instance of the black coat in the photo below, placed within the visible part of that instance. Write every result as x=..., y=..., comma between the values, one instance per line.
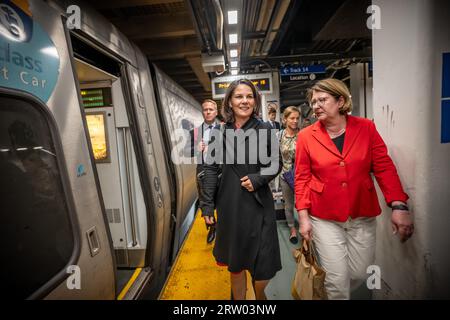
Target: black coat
x=246, y=234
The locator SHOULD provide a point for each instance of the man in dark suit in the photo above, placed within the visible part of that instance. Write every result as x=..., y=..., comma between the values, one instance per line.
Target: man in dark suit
x=272, y=112
x=200, y=138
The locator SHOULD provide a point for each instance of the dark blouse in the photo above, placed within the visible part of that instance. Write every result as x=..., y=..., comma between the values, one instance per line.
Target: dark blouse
x=339, y=142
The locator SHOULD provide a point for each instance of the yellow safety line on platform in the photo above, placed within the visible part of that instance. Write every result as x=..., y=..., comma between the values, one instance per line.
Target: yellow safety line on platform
x=195, y=274
x=129, y=283
x=250, y=292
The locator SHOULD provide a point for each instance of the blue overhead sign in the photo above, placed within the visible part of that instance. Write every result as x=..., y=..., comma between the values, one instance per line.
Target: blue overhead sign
x=29, y=60
x=293, y=70
x=302, y=73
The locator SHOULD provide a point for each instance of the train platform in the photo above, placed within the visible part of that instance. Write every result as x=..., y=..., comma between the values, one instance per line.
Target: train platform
x=196, y=276
x=101, y=107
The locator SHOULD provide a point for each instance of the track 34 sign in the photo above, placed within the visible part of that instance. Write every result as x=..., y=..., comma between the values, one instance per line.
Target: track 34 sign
x=302, y=73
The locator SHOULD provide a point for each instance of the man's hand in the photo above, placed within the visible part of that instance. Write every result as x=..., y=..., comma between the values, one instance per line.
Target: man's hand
x=209, y=220
x=201, y=146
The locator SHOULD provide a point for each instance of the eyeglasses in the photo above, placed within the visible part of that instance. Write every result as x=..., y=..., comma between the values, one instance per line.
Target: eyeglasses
x=320, y=101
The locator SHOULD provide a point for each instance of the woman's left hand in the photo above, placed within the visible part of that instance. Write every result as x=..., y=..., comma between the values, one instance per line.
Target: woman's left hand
x=402, y=224
x=247, y=184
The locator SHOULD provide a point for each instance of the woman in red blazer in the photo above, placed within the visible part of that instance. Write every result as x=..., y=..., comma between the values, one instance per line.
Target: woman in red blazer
x=334, y=191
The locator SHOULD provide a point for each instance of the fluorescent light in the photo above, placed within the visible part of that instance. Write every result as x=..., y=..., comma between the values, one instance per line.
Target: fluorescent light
x=232, y=17
x=233, y=38
x=234, y=72
x=233, y=53
x=233, y=64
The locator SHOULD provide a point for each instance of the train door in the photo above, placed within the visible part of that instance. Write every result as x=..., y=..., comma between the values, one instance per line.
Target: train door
x=116, y=164
x=116, y=161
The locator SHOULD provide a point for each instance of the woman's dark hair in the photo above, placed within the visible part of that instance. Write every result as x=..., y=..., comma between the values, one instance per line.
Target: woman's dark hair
x=227, y=111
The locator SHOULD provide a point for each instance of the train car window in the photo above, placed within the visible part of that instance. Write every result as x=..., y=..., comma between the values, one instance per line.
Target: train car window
x=96, y=123
x=35, y=230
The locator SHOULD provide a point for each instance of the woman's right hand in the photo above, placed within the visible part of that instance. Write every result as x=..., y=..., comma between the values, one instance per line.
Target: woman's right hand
x=305, y=229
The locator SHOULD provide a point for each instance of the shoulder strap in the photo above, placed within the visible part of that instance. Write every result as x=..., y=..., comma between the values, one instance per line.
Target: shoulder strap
x=195, y=135
x=220, y=126
x=280, y=135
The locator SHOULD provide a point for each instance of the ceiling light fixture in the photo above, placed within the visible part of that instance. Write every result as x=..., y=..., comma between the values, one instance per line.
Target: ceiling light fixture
x=233, y=53
x=232, y=17
x=234, y=64
x=233, y=38
x=234, y=72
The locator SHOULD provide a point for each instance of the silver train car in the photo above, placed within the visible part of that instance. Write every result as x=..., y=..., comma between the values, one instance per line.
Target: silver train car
x=89, y=195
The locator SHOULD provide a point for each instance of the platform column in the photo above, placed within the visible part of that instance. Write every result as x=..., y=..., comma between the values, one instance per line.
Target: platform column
x=408, y=53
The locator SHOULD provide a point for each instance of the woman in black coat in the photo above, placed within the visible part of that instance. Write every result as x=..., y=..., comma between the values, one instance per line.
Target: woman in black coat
x=246, y=234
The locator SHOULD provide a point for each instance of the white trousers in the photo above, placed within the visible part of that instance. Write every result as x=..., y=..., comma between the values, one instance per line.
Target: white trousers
x=345, y=250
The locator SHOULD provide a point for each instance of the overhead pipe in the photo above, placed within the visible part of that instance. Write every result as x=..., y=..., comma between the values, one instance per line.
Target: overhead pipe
x=262, y=61
x=291, y=16
x=211, y=29
x=365, y=54
x=204, y=41
x=219, y=24
x=252, y=10
x=273, y=16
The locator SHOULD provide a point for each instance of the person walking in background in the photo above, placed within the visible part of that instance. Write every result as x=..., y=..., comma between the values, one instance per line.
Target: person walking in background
x=288, y=140
x=200, y=138
x=275, y=125
x=246, y=234
x=334, y=191
x=272, y=113
x=305, y=123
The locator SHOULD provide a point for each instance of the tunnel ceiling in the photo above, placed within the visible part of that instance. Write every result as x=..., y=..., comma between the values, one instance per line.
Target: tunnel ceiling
x=174, y=33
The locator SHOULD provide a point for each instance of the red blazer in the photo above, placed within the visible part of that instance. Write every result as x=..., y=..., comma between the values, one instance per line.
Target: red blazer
x=335, y=186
